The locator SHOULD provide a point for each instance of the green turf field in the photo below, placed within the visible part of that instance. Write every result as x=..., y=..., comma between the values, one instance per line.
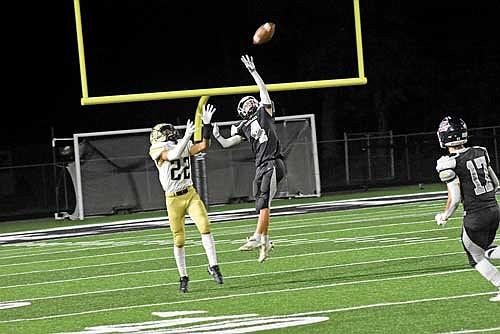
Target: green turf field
x=374, y=270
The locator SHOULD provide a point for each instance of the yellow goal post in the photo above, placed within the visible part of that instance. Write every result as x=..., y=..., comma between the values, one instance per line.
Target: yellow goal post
x=205, y=93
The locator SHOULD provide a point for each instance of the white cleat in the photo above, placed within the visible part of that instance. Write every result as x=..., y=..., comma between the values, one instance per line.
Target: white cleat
x=264, y=251
x=251, y=244
x=496, y=298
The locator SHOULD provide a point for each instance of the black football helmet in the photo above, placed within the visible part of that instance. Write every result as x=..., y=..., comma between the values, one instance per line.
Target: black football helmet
x=452, y=132
x=163, y=132
x=247, y=106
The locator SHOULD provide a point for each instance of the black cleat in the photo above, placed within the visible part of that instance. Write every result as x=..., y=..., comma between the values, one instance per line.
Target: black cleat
x=184, y=284
x=215, y=272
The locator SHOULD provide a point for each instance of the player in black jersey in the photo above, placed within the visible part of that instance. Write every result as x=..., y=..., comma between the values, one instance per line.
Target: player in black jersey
x=470, y=178
x=258, y=128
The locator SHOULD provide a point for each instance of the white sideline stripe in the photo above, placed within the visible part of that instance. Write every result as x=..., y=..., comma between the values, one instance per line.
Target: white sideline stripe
x=232, y=241
x=286, y=222
x=212, y=298
x=174, y=268
x=240, y=276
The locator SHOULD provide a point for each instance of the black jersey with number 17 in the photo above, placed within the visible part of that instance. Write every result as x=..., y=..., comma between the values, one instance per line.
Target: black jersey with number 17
x=260, y=131
x=470, y=165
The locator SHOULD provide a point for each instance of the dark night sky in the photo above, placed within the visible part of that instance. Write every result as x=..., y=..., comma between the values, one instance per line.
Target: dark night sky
x=423, y=60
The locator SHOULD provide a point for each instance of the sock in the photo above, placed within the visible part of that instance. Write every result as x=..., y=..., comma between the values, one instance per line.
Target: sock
x=209, y=245
x=180, y=259
x=489, y=271
x=493, y=253
x=257, y=237
x=265, y=239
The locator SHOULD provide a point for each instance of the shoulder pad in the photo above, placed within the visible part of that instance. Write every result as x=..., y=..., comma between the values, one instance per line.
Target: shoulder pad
x=156, y=149
x=447, y=175
x=446, y=162
x=445, y=167
x=235, y=128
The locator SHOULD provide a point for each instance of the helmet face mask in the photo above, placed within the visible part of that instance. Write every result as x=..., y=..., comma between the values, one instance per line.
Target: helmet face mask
x=247, y=106
x=452, y=132
x=163, y=132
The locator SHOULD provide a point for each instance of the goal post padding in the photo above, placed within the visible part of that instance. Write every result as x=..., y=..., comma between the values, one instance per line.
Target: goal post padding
x=113, y=172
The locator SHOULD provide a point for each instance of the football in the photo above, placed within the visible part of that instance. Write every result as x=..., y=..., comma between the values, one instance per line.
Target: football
x=264, y=33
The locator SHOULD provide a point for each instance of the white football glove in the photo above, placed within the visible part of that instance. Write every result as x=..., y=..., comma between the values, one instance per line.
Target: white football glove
x=440, y=219
x=248, y=61
x=190, y=129
x=208, y=111
x=215, y=131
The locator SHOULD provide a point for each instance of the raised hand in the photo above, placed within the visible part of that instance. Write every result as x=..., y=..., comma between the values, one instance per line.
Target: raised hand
x=190, y=128
x=248, y=61
x=208, y=111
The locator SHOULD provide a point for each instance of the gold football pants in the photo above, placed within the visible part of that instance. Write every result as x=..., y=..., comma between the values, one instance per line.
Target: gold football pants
x=178, y=206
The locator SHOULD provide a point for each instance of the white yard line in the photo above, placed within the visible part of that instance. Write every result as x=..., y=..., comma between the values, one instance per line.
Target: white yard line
x=275, y=238
x=212, y=298
x=227, y=277
x=287, y=222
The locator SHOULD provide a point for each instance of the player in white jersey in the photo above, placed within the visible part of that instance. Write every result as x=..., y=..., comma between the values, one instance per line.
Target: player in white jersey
x=172, y=157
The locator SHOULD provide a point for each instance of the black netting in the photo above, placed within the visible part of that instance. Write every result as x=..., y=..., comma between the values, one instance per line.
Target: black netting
x=117, y=173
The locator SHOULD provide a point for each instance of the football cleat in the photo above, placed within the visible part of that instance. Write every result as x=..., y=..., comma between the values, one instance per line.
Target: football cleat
x=496, y=298
x=184, y=284
x=251, y=244
x=217, y=275
x=264, y=251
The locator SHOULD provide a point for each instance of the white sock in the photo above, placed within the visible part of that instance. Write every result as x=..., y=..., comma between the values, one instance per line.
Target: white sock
x=493, y=253
x=209, y=245
x=489, y=271
x=180, y=259
x=257, y=237
x=265, y=239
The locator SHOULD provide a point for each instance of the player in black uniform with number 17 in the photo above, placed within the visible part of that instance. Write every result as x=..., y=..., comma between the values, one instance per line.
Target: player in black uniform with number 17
x=259, y=129
x=470, y=178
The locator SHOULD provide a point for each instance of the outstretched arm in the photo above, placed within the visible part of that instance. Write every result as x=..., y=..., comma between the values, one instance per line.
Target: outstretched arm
x=226, y=142
x=206, y=116
x=264, y=94
x=181, y=145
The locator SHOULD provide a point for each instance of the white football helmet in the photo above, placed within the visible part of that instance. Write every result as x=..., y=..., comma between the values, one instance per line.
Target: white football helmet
x=247, y=106
x=163, y=132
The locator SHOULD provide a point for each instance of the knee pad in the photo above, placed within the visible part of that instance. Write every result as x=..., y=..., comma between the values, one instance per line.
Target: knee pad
x=204, y=227
x=262, y=202
x=179, y=238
